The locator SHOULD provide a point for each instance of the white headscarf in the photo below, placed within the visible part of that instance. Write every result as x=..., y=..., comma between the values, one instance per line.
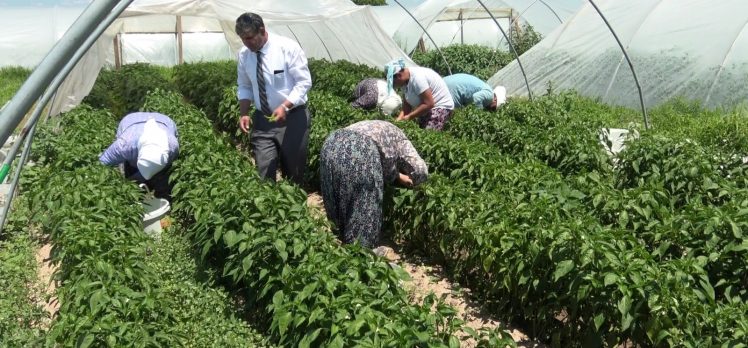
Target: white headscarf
x=500, y=93
x=153, y=149
x=391, y=105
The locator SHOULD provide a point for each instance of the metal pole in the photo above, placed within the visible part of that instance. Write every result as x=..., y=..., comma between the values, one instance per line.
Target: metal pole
x=28, y=131
x=16, y=176
x=427, y=34
x=58, y=79
x=522, y=13
x=631, y=65
x=61, y=53
x=180, y=51
x=516, y=56
x=462, y=31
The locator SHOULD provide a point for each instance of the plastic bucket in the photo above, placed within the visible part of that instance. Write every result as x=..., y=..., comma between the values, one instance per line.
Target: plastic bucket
x=154, y=210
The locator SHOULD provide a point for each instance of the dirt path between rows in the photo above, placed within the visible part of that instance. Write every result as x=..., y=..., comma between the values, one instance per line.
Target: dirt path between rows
x=45, y=271
x=427, y=278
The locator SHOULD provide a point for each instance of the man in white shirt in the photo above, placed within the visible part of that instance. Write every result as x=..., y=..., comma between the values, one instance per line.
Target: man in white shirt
x=280, y=123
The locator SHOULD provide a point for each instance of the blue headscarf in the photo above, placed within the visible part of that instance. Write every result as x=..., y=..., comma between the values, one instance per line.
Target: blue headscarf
x=392, y=68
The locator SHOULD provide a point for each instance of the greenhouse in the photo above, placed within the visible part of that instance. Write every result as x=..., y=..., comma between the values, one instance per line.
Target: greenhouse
x=678, y=50
x=148, y=202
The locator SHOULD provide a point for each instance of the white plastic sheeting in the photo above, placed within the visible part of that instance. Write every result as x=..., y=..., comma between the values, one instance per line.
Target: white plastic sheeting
x=331, y=29
x=29, y=32
x=543, y=15
x=697, y=49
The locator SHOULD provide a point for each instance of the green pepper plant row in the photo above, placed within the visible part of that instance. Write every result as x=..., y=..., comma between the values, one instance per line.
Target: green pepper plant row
x=106, y=297
x=312, y=291
x=526, y=209
x=633, y=281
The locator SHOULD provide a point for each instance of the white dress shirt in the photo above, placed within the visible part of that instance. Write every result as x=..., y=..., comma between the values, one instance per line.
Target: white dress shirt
x=286, y=73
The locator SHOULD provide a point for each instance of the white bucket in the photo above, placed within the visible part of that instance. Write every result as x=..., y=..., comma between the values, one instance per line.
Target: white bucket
x=154, y=210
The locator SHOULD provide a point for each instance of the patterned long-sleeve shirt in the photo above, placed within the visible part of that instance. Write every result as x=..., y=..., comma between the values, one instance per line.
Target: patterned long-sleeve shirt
x=397, y=152
x=125, y=146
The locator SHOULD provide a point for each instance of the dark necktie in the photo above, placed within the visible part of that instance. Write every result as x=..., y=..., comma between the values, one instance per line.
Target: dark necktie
x=261, y=86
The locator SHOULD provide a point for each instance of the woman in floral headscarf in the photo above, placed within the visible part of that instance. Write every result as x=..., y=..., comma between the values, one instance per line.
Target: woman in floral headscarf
x=426, y=96
x=356, y=162
x=372, y=94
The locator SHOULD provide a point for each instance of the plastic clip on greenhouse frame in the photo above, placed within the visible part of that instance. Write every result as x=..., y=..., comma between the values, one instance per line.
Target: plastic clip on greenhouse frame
x=27, y=133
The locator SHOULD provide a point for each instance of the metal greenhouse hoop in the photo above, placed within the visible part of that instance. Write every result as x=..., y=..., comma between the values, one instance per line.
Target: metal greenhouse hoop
x=516, y=56
x=427, y=34
x=631, y=64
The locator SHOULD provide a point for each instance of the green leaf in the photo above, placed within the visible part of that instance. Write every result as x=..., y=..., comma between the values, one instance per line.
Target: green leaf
x=246, y=263
x=563, y=268
x=94, y=300
x=610, y=278
x=84, y=341
x=736, y=231
x=283, y=320
x=626, y=321
x=278, y=299
x=708, y=288
x=354, y=327
x=308, y=289
x=309, y=339
x=230, y=238
x=599, y=319
x=487, y=262
x=280, y=245
x=316, y=313
x=624, y=305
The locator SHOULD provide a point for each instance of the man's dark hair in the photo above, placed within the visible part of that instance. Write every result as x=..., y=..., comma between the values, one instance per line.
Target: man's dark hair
x=248, y=23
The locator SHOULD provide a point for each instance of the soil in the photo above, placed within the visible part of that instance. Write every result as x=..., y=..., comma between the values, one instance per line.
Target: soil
x=427, y=278
x=45, y=272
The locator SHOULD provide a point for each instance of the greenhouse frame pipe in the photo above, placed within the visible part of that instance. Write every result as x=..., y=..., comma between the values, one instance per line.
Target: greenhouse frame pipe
x=631, y=64
x=552, y=10
x=522, y=13
x=28, y=131
x=62, y=51
x=57, y=81
x=16, y=176
x=516, y=56
x=449, y=69
x=323, y=44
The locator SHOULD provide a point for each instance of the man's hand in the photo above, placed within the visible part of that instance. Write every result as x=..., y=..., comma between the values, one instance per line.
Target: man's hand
x=245, y=123
x=402, y=117
x=280, y=114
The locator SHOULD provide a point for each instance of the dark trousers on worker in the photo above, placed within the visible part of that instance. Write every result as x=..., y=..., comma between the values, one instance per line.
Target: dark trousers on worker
x=159, y=183
x=284, y=144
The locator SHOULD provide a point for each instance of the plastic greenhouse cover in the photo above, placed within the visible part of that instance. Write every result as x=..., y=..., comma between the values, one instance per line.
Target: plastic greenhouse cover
x=543, y=15
x=697, y=49
x=26, y=39
x=330, y=29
